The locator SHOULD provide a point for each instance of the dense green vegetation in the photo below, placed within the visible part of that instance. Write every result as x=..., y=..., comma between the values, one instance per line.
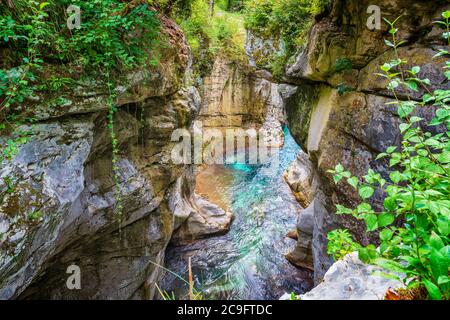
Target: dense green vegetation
x=288, y=20
x=211, y=27
x=217, y=27
x=417, y=192
x=34, y=33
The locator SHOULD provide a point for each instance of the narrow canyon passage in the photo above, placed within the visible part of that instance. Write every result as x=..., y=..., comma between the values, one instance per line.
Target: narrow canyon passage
x=248, y=262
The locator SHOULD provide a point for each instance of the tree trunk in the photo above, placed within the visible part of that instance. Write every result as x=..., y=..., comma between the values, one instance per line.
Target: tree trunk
x=211, y=7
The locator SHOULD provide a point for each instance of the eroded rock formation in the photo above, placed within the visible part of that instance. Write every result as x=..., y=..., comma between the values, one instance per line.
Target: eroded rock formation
x=63, y=176
x=350, y=128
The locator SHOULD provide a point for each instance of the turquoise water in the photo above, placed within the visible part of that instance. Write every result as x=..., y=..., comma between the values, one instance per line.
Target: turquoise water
x=248, y=262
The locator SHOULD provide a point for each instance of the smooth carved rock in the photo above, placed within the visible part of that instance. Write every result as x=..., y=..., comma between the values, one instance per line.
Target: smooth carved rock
x=299, y=176
x=65, y=173
x=203, y=219
x=235, y=96
x=350, y=279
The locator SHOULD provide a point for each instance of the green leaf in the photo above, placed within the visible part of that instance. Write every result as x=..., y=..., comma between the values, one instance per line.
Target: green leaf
x=415, y=70
x=364, y=208
x=386, y=235
x=389, y=44
x=43, y=5
x=442, y=113
x=385, y=219
x=393, y=31
x=346, y=174
x=393, y=84
x=443, y=280
x=337, y=178
x=381, y=155
x=427, y=98
x=366, y=192
x=371, y=221
x=422, y=152
x=353, y=181
x=433, y=290
x=446, y=14
x=415, y=119
x=390, y=265
x=415, y=262
x=390, y=203
x=386, y=67
x=363, y=255
x=405, y=108
x=436, y=241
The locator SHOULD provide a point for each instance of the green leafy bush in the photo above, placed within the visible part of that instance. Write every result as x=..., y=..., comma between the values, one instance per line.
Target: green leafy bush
x=37, y=34
x=289, y=18
x=340, y=243
x=417, y=193
x=212, y=33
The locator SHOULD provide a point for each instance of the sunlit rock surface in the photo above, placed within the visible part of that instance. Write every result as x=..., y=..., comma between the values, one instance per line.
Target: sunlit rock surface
x=350, y=279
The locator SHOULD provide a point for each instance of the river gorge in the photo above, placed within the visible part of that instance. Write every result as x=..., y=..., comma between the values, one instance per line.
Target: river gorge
x=240, y=230
x=248, y=262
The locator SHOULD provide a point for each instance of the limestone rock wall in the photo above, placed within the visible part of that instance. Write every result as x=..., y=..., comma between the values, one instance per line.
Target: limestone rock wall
x=236, y=96
x=351, y=128
x=261, y=49
x=65, y=173
x=63, y=177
